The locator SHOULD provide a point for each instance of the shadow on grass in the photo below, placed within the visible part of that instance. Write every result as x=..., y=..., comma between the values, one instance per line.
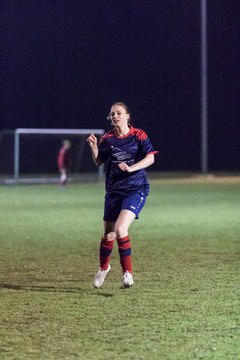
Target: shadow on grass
x=46, y=288
x=107, y=295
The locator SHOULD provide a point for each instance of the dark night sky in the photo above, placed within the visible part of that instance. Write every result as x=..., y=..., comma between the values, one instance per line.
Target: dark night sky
x=63, y=63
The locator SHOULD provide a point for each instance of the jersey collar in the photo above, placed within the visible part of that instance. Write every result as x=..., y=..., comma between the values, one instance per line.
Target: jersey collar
x=130, y=132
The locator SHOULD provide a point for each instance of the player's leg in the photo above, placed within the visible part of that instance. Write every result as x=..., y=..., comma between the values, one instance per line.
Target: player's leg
x=112, y=208
x=106, y=246
x=131, y=207
x=123, y=223
x=63, y=177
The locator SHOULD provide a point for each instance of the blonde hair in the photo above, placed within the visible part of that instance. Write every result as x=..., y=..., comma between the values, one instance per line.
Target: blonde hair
x=66, y=143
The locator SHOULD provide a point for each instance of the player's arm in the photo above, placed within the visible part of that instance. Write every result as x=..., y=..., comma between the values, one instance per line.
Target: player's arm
x=92, y=142
x=142, y=164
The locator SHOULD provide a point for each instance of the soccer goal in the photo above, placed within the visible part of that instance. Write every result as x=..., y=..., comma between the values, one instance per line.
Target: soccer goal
x=30, y=155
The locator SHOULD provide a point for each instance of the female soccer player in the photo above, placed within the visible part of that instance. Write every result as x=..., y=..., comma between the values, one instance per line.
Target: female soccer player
x=127, y=152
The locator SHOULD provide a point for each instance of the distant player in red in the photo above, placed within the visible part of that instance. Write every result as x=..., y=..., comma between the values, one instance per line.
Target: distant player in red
x=64, y=161
x=127, y=152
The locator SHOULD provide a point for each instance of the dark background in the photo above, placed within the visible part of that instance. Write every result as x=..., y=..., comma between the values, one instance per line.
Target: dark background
x=64, y=62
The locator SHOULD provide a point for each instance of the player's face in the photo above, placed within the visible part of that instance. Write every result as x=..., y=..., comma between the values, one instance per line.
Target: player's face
x=118, y=116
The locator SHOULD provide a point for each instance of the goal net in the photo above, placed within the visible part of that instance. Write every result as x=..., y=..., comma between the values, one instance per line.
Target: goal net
x=30, y=155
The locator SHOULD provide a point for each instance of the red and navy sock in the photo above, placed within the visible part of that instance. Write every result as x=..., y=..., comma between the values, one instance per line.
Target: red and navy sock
x=106, y=247
x=124, y=249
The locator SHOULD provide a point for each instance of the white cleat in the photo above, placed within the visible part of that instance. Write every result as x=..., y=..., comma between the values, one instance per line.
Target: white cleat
x=100, y=277
x=127, y=279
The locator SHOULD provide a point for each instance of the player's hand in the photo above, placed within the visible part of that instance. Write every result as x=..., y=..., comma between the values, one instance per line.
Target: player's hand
x=124, y=167
x=92, y=140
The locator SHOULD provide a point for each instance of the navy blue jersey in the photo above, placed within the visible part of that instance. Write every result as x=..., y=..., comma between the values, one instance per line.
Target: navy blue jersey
x=131, y=148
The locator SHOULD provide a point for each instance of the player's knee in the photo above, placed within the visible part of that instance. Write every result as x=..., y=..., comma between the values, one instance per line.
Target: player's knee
x=121, y=231
x=110, y=236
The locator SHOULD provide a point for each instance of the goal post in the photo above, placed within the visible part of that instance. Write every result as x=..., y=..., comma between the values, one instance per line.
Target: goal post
x=77, y=135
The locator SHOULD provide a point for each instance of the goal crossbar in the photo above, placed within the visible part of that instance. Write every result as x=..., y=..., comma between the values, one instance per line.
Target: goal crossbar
x=60, y=131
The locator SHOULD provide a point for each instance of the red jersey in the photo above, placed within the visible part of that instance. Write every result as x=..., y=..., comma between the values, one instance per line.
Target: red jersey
x=64, y=159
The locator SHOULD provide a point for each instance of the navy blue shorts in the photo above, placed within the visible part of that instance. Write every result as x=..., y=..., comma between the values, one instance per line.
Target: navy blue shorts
x=114, y=203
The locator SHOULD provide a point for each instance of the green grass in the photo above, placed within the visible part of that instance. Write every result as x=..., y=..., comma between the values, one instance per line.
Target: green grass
x=185, y=303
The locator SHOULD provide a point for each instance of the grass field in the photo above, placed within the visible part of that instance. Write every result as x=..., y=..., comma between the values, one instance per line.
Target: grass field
x=185, y=303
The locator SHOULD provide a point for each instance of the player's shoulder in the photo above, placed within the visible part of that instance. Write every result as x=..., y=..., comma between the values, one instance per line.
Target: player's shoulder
x=107, y=135
x=139, y=133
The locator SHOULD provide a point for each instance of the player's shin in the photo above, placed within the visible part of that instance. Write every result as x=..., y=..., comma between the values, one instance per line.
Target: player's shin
x=124, y=248
x=106, y=247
